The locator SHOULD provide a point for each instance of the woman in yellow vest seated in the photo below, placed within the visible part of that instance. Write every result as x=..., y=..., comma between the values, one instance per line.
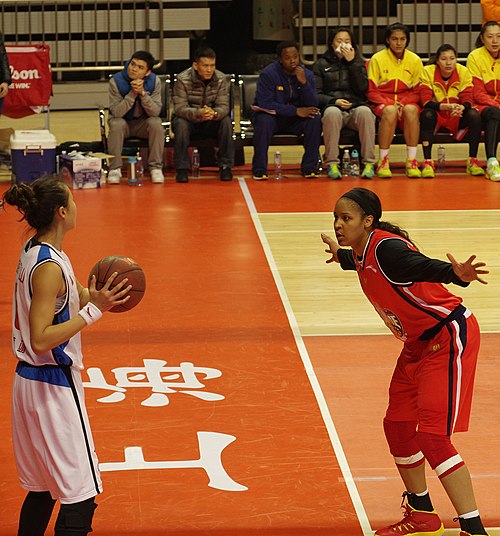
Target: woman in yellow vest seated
x=484, y=65
x=393, y=75
x=446, y=94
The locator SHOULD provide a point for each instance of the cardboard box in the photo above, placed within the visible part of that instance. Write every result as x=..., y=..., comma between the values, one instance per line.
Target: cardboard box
x=80, y=171
x=33, y=154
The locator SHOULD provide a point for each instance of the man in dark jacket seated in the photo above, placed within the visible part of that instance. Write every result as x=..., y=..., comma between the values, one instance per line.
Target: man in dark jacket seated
x=201, y=107
x=342, y=82
x=286, y=102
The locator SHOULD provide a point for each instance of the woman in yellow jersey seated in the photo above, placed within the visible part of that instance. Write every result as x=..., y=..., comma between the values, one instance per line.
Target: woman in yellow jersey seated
x=446, y=94
x=484, y=66
x=393, y=75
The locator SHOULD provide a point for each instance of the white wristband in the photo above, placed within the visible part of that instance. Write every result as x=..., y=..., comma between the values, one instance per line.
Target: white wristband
x=90, y=313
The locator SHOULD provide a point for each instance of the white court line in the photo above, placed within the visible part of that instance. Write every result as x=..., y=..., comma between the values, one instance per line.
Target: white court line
x=368, y=334
x=412, y=229
x=388, y=212
x=332, y=432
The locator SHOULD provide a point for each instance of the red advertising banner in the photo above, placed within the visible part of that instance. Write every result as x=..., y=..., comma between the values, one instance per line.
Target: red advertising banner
x=31, y=75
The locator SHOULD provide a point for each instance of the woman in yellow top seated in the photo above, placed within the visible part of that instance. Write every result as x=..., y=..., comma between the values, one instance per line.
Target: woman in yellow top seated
x=484, y=65
x=393, y=76
x=446, y=94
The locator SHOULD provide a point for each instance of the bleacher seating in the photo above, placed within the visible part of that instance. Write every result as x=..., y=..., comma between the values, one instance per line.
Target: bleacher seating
x=242, y=129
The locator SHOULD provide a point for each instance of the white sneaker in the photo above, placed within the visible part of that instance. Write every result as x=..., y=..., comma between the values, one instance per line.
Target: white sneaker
x=114, y=176
x=157, y=176
x=493, y=170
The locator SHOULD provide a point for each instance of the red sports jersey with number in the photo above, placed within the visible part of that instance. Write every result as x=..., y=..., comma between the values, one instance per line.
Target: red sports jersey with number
x=408, y=308
x=434, y=379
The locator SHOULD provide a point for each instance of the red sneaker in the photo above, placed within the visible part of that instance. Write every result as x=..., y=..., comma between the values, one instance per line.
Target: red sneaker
x=415, y=523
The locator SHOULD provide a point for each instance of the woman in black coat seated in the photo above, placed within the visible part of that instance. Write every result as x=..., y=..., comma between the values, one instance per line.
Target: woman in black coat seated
x=342, y=81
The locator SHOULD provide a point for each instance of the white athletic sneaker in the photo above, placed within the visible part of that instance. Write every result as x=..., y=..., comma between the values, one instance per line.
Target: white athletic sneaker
x=114, y=176
x=493, y=170
x=157, y=176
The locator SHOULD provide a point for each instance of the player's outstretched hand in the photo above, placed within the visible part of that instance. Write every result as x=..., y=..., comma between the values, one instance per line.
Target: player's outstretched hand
x=109, y=296
x=333, y=247
x=469, y=270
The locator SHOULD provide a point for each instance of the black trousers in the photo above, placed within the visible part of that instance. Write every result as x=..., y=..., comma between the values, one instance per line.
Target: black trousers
x=185, y=132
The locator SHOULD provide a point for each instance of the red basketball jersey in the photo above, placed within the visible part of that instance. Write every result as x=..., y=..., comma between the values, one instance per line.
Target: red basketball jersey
x=408, y=308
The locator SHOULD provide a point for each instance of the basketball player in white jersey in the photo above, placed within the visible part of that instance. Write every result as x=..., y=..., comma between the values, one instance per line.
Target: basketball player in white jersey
x=53, y=446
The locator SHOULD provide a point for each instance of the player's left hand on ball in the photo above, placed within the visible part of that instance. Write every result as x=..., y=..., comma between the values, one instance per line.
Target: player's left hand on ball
x=109, y=296
x=469, y=270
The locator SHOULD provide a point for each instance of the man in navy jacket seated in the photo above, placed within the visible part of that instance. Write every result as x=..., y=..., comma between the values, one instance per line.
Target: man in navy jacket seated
x=286, y=102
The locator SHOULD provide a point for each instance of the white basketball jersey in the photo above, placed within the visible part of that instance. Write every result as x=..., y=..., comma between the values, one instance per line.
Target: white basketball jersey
x=51, y=436
x=33, y=255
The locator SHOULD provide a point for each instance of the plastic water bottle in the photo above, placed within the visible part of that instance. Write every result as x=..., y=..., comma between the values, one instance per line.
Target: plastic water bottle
x=346, y=163
x=278, y=173
x=195, y=164
x=139, y=172
x=104, y=171
x=132, y=178
x=61, y=157
x=355, y=163
x=441, y=164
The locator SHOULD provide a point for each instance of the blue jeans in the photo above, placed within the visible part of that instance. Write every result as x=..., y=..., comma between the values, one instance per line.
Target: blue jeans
x=266, y=125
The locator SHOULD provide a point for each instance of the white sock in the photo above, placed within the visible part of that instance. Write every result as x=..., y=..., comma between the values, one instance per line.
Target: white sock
x=492, y=160
x=383, y=153
x=469, y=515
x=411, y=152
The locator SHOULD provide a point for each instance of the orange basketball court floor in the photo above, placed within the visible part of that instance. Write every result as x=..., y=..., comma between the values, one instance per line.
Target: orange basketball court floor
x=212, y=414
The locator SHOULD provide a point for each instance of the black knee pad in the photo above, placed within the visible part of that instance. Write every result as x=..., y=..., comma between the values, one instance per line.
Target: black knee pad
x=491, y=113
x=428, y=114
x=75, y=519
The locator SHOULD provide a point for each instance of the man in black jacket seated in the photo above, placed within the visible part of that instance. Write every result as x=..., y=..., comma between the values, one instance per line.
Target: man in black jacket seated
x=342, y=81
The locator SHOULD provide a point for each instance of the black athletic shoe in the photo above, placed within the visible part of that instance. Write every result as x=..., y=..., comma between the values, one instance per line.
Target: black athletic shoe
x=182, y=175
x=313, y=174
x=226, y=174
x=260, y=176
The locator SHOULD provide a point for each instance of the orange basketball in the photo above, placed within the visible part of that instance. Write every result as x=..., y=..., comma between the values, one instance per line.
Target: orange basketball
x=126, y=268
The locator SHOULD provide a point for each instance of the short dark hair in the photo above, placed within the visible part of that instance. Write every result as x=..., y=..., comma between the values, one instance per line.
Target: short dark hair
x=204, y=52
x=285, y=44
x=146, y=56
x=445, y=47
x=397, y=27
x=486, y=25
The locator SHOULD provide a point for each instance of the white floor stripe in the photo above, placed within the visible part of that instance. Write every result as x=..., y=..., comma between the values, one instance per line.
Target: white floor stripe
x=332, y=432
x=409, y=229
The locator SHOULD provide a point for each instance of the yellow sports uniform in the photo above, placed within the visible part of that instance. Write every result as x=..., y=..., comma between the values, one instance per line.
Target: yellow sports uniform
x=485, y=71
x=392, y=80
x=457, y=89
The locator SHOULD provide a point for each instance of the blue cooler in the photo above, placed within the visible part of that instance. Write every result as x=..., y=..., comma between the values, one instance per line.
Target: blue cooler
x=33, y=154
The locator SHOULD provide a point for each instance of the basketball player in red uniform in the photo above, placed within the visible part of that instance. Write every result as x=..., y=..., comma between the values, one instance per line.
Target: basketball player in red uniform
x=431, y=389
x=53, y=446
